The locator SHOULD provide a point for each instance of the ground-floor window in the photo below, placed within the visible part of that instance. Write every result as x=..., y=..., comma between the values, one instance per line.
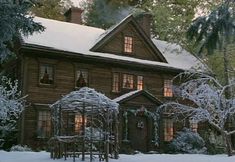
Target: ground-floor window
x=193, y=125
x=168, y=129
x=44, y=124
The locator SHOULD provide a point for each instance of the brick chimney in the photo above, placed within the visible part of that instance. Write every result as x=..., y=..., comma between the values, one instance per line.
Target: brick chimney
x=145, y=20
x=74, y=15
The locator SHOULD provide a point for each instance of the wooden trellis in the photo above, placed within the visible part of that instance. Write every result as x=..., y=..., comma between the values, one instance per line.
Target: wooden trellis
x=98, y=133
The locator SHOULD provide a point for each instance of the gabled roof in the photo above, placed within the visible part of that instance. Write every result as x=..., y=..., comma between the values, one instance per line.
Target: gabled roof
x=105, y=37
x=130, y=95
x=77, y=40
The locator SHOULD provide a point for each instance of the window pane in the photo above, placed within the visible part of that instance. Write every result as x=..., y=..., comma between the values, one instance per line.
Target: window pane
x=115, y=87
x=128, y=81
x=78, y=123
x=44, y=124
x=193, y=125
x=82, y=78
x=168, y=129
x=46, y=74
x=128, y=44
x=139, y=82
x=168, y=88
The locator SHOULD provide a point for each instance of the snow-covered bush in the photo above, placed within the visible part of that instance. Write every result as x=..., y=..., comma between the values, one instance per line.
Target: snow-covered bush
x=20, y=148
x=187, y=141
x=11, y=106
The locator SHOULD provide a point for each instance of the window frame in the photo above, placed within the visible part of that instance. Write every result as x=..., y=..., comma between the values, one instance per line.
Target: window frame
x=168, y=88
x=168, y=126
x=133, y=81
x=76, y=76
x=118, y=82
x=48, y=126
x=128, y=44
x=53, y=74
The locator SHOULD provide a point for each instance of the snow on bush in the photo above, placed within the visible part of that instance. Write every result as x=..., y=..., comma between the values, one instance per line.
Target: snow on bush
x=20, y=148
x=11, y=106
x=188, y=142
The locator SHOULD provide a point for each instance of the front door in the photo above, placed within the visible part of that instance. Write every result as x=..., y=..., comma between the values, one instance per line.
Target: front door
x=138, y=132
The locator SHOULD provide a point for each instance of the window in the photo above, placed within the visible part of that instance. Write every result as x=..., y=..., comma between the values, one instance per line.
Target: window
x=168, y=129
x=139, y=82
x=82, y=78
x=78, y=123
x=168, y=88
x=46, y=74
x=128, y=44
x=128, y=81
x=193, y=125
x=116, y=82
x=44, y=124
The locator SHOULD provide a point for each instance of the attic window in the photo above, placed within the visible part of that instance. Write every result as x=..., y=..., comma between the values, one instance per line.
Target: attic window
x=128, y=44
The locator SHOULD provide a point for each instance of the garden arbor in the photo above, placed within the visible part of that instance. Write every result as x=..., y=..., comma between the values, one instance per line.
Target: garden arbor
x=85, y=123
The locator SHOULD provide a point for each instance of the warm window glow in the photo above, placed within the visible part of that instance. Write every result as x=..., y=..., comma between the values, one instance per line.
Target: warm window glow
x=168, y=129
x=44, y=124
x=78, y=123
x=128, y=81
x=128, y=44
x=168, y=88
x=193, y=125
x=82, y=78
x=139, y=82
x=46, y=74
x=116, y=82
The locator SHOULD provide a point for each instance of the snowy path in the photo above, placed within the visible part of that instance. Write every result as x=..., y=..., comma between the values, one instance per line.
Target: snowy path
x=44, y=157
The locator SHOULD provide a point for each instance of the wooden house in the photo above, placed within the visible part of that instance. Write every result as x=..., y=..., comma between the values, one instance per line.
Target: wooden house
x=123, y=62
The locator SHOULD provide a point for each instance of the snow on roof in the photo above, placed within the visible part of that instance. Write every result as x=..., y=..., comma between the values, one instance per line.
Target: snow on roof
x=80, y=39
x=75, y=100
x=179, y=57
x=126, y=95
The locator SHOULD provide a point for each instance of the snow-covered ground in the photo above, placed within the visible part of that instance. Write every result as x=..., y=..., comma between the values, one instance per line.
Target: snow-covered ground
x=45, y=157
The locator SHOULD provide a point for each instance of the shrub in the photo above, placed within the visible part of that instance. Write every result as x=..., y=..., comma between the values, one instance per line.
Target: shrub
x=189, y=142
x=20, y=148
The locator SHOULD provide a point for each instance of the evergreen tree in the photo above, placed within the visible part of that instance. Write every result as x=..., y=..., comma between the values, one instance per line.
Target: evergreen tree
x=52, y=9
x=14, y=21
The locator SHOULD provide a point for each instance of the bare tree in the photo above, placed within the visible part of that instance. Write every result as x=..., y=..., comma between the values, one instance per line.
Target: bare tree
x=206, y=100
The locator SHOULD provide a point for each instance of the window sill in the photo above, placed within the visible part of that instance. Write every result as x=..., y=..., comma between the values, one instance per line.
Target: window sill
x=46, y=85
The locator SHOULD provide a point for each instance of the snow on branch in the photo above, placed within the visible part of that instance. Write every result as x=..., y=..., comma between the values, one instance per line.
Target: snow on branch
x=202, y=98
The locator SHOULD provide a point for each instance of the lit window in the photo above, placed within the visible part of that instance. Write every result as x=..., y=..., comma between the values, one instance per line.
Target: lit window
x=44, y=124
x=128, y=81
x=193, y=125
x=46, y=74
x=128, y=44
x=168, y=129
x=116, y=82
x=78, y=123
x=168, y=88
x=82, y=78
x=139, y=82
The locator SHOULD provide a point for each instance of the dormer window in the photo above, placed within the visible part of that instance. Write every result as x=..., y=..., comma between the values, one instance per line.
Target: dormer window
x=128, y=44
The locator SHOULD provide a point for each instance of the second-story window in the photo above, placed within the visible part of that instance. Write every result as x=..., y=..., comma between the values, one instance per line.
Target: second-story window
x=168, y=88
x=128, y=44
x=82, y=78
x=128, y=81
x=139, y=82
x=46, y=75
x=116, y=82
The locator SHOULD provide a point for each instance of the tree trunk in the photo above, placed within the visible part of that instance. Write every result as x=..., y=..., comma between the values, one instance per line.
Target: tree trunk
x=228, y=144
x=226, y=72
